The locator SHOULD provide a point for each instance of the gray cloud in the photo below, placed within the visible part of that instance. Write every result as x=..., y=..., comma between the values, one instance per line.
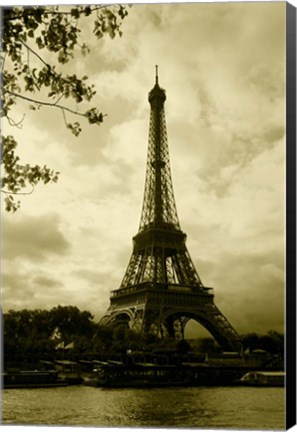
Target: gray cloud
x=44, y=281
x=250, y=289
x=32, y=290
x=92, y=276
x=17, y=290
x=33, y=237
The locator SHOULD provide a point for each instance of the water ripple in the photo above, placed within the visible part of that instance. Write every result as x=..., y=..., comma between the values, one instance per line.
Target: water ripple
x=199, y=407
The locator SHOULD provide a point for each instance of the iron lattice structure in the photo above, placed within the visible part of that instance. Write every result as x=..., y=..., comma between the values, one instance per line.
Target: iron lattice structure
x=161, y=289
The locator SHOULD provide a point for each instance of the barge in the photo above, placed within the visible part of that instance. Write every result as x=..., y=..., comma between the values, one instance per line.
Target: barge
x=116, y=374
x=32, y=379
x=263, y=379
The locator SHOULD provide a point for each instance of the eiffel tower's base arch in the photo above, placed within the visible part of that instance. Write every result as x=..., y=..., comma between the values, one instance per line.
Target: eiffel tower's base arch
x=165, y=314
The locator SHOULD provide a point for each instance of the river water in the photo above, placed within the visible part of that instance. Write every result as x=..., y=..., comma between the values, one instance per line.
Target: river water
x=191, y=407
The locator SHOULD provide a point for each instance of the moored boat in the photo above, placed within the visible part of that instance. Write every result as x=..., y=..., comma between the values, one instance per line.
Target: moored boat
x=263, y=379
x=116, y=374
x=140, y=375
x=69, y=371
x=32, y=379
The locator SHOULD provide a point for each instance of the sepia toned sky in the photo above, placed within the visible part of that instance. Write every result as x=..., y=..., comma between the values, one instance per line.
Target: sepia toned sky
x=223, y=68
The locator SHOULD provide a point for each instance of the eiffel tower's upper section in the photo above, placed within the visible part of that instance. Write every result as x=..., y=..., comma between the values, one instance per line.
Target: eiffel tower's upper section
x=159, y=208
x=159, y=256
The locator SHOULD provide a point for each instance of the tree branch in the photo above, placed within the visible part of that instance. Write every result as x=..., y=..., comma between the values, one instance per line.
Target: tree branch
x=53, y=104
x=17, y=193
x=49, y=12
x=16, y=124
x=3, y=62
x=58, y=100
x=35, y=53
x=64, y=116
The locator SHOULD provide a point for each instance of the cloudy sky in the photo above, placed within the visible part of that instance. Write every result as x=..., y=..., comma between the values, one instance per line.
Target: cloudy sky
x=222, y=66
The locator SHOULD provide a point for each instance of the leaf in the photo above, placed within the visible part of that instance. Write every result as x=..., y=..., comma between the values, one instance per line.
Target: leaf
x=75, y=12
x=39, y=42
x=75, y=128
x=88, y=11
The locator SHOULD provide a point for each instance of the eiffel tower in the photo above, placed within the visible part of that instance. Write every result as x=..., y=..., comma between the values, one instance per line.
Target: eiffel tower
x=161, y=289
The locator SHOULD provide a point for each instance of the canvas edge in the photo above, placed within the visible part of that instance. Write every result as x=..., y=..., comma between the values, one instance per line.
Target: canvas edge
x=290, y=215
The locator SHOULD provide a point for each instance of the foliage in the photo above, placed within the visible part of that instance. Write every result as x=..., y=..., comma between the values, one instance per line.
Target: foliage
x=117, y=340
x=272, y=342
x=19, y=176
x=72, y=323
x=33, y=40
x=37, y=332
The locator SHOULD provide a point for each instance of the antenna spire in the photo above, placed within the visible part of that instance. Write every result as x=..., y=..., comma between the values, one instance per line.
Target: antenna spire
x=157, y=74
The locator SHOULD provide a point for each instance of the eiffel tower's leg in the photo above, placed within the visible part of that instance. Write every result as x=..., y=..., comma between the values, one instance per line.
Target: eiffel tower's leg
x=136, y=324
x=225, y=332
x=183, y=322
x=176, y=327
x=205, y=313
x=170, y=327
x=178, y=330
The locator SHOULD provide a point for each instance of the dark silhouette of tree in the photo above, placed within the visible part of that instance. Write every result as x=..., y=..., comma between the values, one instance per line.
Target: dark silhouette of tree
x=30, y=37
x=71, y=323
x=272, y=342
x=35, y=333
x=250, y=341
x=102, y=339
x=209, y=345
